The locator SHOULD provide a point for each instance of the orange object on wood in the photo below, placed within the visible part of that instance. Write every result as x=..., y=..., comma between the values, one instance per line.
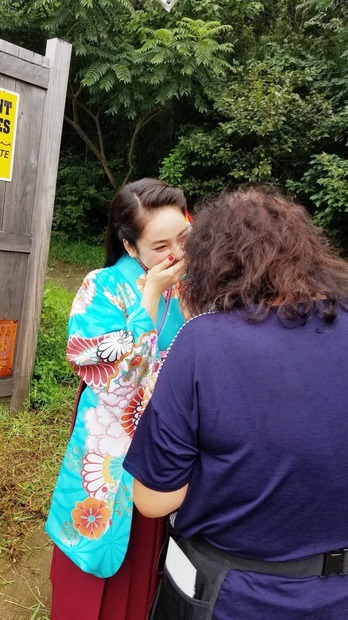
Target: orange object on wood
x=8, y=330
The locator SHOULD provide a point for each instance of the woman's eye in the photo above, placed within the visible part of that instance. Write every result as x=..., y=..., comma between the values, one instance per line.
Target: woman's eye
x=160, y=248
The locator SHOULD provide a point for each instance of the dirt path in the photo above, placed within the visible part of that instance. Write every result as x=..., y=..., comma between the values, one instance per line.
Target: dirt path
x=25, y=589
x=64, y=274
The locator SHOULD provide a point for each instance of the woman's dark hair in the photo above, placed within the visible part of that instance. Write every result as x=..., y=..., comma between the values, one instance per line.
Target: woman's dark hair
x=131, y=209
x=252, y=249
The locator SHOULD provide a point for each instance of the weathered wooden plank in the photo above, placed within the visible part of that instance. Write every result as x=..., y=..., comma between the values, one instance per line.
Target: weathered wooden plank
x=21, y=52
x=20, y=192
x=14, y=242
x=6, y=387
x=2, y=201
x=59, y=53
x=20, y=69
x=13, y=271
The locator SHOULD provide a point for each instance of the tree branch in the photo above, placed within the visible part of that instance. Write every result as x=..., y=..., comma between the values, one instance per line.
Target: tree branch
x=98, y=154
x=74, y=122
x=140, y=124
x=100, y=135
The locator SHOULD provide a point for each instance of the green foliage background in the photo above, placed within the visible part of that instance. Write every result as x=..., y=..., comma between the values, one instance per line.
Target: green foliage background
x=211, y=95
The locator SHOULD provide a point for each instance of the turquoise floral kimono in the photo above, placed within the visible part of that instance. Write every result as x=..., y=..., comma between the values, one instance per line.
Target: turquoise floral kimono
x=114, y=347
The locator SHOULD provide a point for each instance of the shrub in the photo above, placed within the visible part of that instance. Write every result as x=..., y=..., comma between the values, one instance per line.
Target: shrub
x=325, y=183
x=82, y=197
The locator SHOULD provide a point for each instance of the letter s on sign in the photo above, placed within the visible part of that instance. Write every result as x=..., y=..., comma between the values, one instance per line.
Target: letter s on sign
x=7, y=125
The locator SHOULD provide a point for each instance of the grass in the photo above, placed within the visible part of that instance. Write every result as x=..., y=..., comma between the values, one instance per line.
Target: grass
x=31, y=447
x=82, y=254
x=52, y=375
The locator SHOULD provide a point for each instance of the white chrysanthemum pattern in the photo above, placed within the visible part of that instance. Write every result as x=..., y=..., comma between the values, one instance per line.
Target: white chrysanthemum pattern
x=115, y=345
x=84, y=295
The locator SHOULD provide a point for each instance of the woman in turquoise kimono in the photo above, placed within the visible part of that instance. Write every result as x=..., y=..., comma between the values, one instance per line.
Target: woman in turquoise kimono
x=122, y=321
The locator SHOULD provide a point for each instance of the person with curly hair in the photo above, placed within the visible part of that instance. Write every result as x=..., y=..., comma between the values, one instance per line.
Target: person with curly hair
x=245, y=438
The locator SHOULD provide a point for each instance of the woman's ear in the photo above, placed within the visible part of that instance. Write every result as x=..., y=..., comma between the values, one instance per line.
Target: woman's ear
x=130, y=249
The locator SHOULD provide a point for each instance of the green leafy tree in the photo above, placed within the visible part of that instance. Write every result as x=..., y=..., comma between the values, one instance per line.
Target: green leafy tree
x=213, y=94
x=325, y=185
x=127, y=64
x=286, y=102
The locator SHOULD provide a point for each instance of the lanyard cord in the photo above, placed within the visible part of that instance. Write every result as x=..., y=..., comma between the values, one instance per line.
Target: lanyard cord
x=169, y=294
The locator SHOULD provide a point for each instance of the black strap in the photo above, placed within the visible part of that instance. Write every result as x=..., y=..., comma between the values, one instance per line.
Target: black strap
x=321, y=565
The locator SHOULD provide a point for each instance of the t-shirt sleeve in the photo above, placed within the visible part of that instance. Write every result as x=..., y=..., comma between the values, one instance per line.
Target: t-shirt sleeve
x=164, y=448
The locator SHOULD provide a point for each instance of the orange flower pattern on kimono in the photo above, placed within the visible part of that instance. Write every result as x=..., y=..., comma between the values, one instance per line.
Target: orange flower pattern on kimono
x=91, y=517
x=132, y=413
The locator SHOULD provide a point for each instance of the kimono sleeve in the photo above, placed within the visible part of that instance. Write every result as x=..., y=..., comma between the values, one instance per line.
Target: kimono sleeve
x=165, y=447
x=107, y=326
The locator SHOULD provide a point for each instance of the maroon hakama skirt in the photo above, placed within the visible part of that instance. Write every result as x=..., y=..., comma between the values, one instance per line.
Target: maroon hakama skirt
x=127, y=595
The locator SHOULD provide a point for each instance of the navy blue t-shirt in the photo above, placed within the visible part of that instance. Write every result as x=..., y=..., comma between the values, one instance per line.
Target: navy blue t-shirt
x=255, y=418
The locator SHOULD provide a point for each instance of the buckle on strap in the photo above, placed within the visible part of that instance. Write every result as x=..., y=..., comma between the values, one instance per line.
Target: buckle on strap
x=335, y=563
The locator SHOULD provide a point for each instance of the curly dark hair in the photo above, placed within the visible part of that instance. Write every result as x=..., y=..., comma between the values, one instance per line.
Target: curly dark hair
x=254, y=249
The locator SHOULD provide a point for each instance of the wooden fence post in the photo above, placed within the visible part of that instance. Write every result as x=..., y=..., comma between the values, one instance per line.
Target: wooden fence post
x=58, y=52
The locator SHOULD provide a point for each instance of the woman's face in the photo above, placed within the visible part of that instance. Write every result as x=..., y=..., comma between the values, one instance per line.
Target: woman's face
x=163, y=234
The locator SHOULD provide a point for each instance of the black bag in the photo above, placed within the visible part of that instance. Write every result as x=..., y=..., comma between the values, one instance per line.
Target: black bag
x=171, y=603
